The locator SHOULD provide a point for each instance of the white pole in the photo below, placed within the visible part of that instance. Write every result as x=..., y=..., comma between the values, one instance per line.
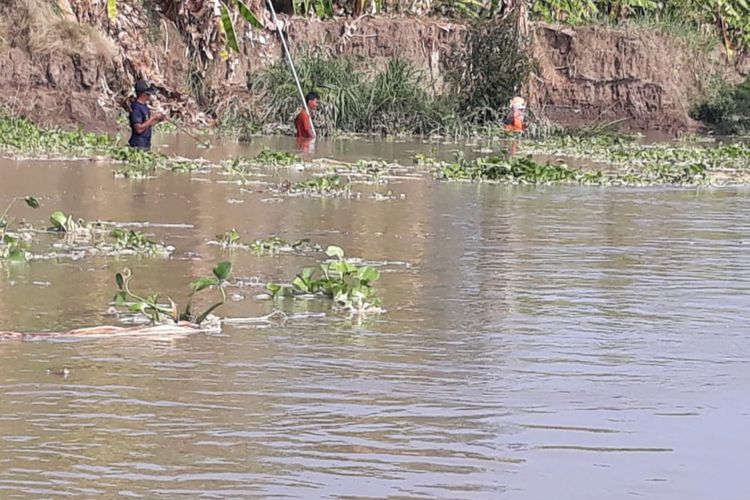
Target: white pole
x=291, y=64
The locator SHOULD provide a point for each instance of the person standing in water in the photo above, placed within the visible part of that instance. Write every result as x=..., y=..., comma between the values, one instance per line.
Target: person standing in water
x=514, y=119
x=141, y=121
x=303, y=121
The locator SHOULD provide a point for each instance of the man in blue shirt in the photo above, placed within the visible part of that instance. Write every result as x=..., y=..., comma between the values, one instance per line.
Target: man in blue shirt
x=141, y=120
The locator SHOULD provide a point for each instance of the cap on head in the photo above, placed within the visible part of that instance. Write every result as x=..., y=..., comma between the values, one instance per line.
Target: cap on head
x=518, y=103
x=142, y=87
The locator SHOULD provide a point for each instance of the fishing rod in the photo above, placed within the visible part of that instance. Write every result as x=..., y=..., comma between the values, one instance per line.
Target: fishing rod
x=185, y=131
x=291, y=64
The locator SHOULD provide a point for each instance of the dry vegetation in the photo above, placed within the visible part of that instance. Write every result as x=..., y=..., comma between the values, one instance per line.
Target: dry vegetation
x=41, y=27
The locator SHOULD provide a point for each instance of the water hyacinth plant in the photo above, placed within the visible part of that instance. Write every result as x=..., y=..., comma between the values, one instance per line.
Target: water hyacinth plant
x=275, y=158
x=20, y=134
x=348, y=285
x=524, y=170
x=327, y=186
x=130, y=241
x=65, y=223
x=13, y=246
x=156, y=311
x=229, y=239
x=273, y=245
x=138, y=164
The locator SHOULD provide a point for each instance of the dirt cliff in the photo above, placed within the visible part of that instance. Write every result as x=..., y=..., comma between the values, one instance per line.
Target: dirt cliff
x=643, y=77
x=73, y=66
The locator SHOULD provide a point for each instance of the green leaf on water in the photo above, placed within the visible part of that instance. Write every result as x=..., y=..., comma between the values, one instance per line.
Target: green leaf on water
x=120, y=298
x=138, y=307
x=17, y=255
x=334, y=251
x=120, y=281
x=31, y=201
x=203, y=283
x=58, y=220
x=368, y=274
x=300, y=285
x=222, y=270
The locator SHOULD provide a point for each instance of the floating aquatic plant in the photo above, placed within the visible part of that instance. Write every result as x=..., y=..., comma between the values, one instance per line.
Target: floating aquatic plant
x=137, y=242
x=272, y=245
x=155, y=310
x=348, y=285
x=65, y=223
x=524, y=170
x=275, y=158
x=13, y=246
x=373, y=170
x=229, y=239
x=328, y=186
x=626, y=152
x=139, y=164
x=20, y=134
x=235, y=167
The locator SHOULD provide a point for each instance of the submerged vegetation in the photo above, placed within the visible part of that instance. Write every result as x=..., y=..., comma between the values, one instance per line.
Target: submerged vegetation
x=156, y=311
x=348, y=285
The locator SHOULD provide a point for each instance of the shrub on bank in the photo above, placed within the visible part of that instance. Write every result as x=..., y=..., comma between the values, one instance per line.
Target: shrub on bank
x=727, y=109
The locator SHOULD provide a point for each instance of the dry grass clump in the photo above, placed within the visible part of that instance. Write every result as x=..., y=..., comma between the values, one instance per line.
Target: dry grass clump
x=39, y=27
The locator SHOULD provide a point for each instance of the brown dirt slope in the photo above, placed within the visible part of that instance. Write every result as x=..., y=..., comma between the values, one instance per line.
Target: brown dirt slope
x=642, y=77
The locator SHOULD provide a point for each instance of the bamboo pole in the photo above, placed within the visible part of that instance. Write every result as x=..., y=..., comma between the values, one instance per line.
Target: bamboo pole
x=291, y=64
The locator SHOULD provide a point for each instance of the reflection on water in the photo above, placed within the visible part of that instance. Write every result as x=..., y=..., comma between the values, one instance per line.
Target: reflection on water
x=577, y=343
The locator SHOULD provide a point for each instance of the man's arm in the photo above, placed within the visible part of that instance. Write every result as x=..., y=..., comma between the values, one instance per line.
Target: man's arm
x=143, y=126
x=307, y=126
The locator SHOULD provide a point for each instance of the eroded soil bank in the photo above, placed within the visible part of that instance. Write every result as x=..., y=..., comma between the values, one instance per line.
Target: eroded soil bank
x=74, y=66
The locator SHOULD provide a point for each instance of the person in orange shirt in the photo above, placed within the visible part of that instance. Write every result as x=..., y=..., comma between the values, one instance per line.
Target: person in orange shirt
x=514, y=119
x=303, y=121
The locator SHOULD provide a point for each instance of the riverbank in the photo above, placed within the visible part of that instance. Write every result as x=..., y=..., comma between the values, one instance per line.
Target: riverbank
x=74, y=67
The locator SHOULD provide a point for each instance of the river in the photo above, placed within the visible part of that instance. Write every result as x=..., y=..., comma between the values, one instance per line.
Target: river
x=538, y=343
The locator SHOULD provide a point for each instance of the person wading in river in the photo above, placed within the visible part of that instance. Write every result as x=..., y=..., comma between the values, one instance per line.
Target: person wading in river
x=303, y=122
x=140, y=117
x=514, y=119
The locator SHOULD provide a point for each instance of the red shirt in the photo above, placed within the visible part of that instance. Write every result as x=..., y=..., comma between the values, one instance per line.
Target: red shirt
x=304, y=125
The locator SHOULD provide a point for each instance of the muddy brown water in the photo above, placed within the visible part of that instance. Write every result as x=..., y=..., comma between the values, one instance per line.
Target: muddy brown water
x=567, y=343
